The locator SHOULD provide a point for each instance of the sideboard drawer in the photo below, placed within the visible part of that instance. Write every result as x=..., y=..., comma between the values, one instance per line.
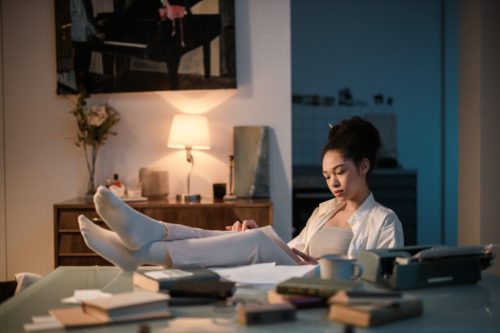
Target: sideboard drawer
x=68, y=219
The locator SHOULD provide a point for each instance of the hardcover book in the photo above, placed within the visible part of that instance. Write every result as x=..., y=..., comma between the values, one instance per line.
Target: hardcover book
x=299, y=301
x=117, y=308
x=203, y=288
x=354, y=297
x=313, y=286
x=164, y=279
x=369, y=315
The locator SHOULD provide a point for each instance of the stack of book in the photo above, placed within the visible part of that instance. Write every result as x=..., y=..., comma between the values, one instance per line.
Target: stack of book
x=368, y=309
x=347, y=302
x=187, y=286
x=308, y=292
x=130, y=306
x=164, y=279
x=316, y=287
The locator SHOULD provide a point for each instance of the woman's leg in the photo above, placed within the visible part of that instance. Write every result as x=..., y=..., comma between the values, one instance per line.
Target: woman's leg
x=136, y=229
x=239, y=248
x=232, y=249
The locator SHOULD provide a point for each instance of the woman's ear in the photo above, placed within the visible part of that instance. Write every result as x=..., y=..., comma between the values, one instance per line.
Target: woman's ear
x=364, y=166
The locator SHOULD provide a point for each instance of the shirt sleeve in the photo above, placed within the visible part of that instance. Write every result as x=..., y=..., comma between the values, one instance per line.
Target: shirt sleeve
x=391, y=234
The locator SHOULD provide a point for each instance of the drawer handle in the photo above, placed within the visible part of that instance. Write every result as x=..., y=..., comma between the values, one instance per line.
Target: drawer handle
x=96, y=219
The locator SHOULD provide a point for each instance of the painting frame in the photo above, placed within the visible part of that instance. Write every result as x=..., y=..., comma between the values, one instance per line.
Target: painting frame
x=113, y=46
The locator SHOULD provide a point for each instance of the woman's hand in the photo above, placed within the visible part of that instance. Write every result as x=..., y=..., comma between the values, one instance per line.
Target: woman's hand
x=307, y=259
x=242, y=226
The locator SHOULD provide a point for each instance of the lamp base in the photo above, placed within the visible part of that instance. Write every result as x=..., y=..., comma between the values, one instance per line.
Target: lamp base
x=188, y=197
x=230, y=197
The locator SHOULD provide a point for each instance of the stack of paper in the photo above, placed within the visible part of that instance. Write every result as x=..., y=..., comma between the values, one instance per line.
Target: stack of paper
x=263, y=275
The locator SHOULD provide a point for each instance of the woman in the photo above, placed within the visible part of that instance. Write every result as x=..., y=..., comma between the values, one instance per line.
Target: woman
x=353, y=221
x=347, y=224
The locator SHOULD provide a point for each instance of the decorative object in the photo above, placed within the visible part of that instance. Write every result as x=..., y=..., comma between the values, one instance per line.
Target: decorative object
x=251, y=161
x=189, y=132
x=144, y=45
x=230, y=196
x=219, y=190
x=154, y=183
x=386, y=124
x=94, y=127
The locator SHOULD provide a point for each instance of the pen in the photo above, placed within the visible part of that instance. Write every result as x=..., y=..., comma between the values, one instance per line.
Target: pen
x=239, y=220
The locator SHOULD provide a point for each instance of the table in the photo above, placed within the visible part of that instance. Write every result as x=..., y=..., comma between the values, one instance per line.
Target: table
x=467, y=308
x=70, y=248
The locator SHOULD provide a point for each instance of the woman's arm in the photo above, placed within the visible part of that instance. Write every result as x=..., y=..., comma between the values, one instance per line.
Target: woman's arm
x=391, y=234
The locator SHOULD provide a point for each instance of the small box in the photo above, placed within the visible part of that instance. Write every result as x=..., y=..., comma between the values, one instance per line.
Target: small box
x=256, y=314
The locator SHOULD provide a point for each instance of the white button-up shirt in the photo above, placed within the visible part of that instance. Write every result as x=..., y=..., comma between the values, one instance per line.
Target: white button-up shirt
x=373, y=225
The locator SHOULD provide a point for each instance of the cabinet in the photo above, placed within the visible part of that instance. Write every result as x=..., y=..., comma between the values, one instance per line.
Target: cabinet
x=70, y=248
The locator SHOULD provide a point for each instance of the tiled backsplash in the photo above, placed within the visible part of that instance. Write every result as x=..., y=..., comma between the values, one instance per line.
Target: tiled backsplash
x=310, y=128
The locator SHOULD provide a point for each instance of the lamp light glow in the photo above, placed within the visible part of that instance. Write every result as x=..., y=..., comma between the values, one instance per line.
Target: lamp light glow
x=189, y=132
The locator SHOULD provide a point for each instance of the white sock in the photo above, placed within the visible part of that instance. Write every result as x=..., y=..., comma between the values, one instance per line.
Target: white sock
x=134, y=229
x=107, y=244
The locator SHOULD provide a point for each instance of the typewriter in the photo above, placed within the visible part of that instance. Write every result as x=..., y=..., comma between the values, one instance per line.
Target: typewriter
x=425, y=266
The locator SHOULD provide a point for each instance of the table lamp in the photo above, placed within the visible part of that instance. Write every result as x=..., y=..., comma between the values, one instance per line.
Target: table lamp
x=189, y=132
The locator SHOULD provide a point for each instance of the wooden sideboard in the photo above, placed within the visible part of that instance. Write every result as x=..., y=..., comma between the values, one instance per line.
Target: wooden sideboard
x=70, y=248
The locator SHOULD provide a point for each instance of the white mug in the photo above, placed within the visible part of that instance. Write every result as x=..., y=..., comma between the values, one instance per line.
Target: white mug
x=339, y=267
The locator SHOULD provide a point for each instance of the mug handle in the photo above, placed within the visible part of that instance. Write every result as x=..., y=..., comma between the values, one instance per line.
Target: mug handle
x=359, y=271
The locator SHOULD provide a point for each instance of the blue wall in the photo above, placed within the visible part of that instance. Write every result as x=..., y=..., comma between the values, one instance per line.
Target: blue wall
x=391, y=47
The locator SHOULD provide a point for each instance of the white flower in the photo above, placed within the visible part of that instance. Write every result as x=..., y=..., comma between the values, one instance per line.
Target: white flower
x=97, y=115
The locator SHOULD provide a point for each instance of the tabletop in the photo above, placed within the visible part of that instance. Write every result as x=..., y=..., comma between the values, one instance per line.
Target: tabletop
x=464, y=308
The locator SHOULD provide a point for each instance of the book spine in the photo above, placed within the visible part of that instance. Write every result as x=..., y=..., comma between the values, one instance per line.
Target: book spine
x=392, y=313
x=306, y=291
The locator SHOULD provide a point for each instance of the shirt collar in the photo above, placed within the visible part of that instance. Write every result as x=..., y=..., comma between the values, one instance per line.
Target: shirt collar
x=362, y=210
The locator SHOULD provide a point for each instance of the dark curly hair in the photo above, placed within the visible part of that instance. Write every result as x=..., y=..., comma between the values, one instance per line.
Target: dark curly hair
x=356, y=139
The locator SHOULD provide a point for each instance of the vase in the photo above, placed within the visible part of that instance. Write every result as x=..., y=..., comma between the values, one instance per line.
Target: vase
x=91, y=157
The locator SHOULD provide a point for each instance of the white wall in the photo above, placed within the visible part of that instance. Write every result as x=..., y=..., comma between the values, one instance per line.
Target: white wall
x=3, y=257
x=479, y=121
x=43, y=167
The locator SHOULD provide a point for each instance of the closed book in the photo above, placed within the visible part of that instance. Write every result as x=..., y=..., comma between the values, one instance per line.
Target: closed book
x=117, y=308
x=203, y=288
x=313, y=286
x=299, y=301
x=126, y=305
x=255, y=314
x=354, y=297
x=164, y=279
x=369, y=315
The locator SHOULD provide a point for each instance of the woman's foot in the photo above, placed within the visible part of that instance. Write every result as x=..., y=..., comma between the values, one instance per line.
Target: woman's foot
x=133, y=228
x=107, y=244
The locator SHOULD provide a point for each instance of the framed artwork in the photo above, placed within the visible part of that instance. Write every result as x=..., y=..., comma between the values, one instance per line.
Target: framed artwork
x=106, y=46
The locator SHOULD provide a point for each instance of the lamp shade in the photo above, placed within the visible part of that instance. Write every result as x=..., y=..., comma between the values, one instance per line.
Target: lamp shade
x=189, y=131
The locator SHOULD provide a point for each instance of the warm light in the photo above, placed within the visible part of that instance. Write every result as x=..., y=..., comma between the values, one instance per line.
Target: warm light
x=189, y=131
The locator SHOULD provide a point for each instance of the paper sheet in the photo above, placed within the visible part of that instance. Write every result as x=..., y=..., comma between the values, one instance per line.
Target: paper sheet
x=80, y=295
x=41, y=323
x=263, y=274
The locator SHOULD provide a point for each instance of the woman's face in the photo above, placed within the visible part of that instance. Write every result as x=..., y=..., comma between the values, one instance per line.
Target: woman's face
x=345, y=180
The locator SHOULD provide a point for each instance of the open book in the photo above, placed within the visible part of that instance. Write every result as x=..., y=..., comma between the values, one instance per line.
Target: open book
x=269, y=231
